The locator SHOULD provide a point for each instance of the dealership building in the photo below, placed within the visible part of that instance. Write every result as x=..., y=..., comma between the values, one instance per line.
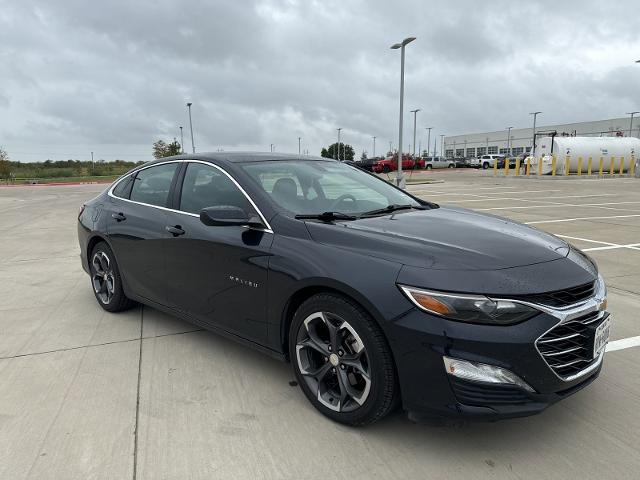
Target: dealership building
x=520, y=140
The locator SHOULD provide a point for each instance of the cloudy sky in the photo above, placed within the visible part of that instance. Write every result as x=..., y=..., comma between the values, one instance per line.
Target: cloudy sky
x=112, y=77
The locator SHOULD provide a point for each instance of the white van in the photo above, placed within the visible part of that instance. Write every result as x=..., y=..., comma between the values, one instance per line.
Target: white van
x=485, y=161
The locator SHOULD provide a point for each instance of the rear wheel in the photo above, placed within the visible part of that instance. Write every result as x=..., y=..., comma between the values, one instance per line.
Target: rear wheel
x=429, y=167
x=106, y=280
x=451, y=165
x=342, y=361
x=485, y=165
x=386, y=169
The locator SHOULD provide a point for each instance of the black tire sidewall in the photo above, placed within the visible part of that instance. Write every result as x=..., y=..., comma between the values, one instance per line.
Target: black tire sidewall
x=119, y=301
x=383, y=379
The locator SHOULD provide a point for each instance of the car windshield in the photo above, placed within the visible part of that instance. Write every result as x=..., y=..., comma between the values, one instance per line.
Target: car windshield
x=316, y=187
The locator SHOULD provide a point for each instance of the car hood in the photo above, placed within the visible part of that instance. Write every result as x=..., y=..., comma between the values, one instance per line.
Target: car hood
x=444, y=238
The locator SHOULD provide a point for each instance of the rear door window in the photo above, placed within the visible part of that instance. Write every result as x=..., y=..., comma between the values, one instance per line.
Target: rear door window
x=152, y=185
x=123, y=188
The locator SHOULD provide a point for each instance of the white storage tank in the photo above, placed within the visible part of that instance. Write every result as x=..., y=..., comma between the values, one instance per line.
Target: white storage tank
x=574, y=148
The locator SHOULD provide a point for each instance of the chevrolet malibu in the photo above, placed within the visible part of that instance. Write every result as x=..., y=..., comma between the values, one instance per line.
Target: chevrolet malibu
x=376, y=297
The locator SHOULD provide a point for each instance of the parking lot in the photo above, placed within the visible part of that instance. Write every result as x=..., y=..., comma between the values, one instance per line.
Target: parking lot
x=87, y=394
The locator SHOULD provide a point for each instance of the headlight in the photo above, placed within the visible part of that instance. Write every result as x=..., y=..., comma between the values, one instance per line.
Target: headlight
x=469, y=308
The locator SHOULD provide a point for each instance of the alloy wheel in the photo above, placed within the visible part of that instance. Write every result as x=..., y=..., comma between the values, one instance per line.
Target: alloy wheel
x=103, y=278
x=333, y=361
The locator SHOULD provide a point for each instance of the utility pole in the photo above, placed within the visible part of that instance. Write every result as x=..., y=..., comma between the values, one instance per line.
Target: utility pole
x=509, y=141
x=339, y=130
x=428, y=139
x=533, y=146
x=193, y=145
x=374, y=147
x=271, y=147
x=415, y=113
x=442, y=145
x=299, y=138
x=181, y=141
x=93, y=165
x=631, y=122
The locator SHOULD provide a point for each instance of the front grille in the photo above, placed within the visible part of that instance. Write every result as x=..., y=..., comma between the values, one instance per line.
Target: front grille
x=563, y=298
x=487, y=394
x=568, y=348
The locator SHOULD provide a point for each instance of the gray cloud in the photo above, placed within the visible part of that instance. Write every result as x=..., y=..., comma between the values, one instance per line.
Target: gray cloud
x=117, y=74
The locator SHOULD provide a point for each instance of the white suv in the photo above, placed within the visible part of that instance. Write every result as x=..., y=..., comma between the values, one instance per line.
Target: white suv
x=485, y=161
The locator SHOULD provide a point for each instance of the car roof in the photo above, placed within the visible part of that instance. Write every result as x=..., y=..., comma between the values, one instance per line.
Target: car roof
x=242, y=157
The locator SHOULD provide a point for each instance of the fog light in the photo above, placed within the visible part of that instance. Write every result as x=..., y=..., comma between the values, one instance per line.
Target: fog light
x=481, y=372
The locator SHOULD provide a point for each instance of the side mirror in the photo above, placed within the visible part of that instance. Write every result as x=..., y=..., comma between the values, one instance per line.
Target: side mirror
x=228, y=216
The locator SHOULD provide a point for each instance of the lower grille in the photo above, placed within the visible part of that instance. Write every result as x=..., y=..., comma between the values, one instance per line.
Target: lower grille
x=482, y=394
x=568, y=348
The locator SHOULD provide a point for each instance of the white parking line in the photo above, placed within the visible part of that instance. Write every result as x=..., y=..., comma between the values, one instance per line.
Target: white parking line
x=586, y=240
x=608, y=245
x=561, y=220
x=623, y=343
x=596, y=205
x=495, y=199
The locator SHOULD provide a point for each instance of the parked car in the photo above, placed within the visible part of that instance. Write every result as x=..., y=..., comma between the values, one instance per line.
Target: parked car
x=461, y=162
x=390, y=164
x=438, y=162
x=368, y=163
x=487, y=161
x=376, y=297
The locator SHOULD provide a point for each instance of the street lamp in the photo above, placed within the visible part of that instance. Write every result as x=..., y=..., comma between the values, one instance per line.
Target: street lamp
x=401, y=46
x=442, y=145
x=299, y=138
x=533, y=147
x=181, y=141
x=428, y=139
x=339, y=130
x=391, y=147
x=509, y=141
x=271, y=147
x=374, y=146
x=193, y=146
x=631, y=122
x=415, y=113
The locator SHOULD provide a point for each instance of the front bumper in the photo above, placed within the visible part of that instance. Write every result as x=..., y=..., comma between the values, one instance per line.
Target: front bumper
x=420, y=340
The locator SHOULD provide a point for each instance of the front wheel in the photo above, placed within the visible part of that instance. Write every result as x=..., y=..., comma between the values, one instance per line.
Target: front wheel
x=485, y=165
x=386, y=169
x=106, y=280
x=451, y=165
x=429, y=167
x=342, y=361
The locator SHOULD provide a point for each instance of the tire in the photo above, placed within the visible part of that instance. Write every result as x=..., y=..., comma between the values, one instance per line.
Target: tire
x=386, y=169
x=106, y=280
x=355, y=386
x=485, y=165
x=429, y=167
x=451, y=166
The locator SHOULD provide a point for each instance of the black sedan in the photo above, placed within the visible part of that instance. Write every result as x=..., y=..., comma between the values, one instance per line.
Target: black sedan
x=376, y=297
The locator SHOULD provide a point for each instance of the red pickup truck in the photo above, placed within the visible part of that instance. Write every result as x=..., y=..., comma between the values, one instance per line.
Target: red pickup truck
x=391, y=163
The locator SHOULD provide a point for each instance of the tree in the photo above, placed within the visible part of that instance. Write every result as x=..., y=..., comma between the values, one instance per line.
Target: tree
x=5, y=166
x=346, y=151
x=162, y=149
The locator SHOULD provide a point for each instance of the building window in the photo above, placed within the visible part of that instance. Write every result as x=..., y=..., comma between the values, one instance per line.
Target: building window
x=459, y=152
x=528, y=149
x=504, y=151
x=518, y=150
x=448, y=153
x=482, y=151
x=471, y=152
x=493, y=150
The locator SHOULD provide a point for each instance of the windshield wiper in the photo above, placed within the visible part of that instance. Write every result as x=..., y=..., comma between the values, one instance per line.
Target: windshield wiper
x=327, y=216
x=391, y=208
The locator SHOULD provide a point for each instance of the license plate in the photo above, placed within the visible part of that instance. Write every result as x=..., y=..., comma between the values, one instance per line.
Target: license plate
x=602, y=337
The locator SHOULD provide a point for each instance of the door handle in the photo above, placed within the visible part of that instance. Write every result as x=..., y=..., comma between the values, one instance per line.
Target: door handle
x=175, y=230
x=119, y=217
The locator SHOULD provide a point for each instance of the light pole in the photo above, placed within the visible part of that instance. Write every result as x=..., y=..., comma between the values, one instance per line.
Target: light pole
x=415, y=113
x=271, y=147
x=181, y=141
x=509, y=141
x=631, y=122
x=428, y=139
x=401, y=46
x=442, y=145
x=93, y=165
x=339, y=130
x=374, y=147
x=391, y=147
x=533, y=147
x=193, y=146
x=299, y=138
